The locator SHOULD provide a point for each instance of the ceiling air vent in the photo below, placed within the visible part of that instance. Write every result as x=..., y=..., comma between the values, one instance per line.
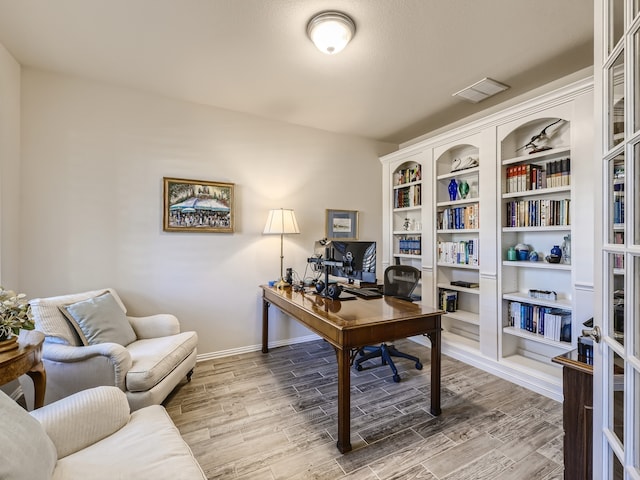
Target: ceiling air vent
x=477, y=92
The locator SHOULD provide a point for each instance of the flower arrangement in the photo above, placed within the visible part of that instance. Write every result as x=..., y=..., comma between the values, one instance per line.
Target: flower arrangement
x=15, y=313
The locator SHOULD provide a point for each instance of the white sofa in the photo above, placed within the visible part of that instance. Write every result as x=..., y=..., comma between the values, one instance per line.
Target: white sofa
x=153, y=357
x=92, y=435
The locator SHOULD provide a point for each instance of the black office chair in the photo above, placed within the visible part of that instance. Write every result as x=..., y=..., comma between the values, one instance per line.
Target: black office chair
x=399, y=281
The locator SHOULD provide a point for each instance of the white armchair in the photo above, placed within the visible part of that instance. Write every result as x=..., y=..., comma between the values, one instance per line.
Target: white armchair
x=90, y=342
x=92, y=434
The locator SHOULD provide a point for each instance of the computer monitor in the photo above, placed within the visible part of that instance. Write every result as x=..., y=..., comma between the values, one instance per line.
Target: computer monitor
x=358, y=259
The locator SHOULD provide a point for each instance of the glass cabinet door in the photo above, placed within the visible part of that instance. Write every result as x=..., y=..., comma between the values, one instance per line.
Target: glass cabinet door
x=617, y=358
x=615, y=79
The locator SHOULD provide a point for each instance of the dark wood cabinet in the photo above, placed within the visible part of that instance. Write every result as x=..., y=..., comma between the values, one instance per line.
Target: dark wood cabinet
x=577, y=386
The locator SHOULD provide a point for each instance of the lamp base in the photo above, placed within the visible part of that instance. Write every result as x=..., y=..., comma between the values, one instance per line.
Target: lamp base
x=281, y=284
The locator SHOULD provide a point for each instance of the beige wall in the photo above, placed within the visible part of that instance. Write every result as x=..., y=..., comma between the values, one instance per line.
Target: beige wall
x=9, y=178
x=93, y=158
x=9, y=170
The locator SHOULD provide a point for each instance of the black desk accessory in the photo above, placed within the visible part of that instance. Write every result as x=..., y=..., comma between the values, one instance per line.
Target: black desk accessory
x=367, y=293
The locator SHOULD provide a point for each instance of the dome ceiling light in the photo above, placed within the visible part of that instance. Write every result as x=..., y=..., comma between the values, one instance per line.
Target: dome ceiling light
x=331, y=31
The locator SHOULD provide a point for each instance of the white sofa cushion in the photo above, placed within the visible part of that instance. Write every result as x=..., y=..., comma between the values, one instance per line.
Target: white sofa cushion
x=149, y=446
x=54, y=324
x=99, y=320
x=95, y=413
x=154, y=358
x=27, y=452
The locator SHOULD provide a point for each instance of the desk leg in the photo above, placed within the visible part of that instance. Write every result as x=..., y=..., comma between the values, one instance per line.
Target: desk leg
x=344, y=401
x=39, y=377
x=436, y=370
x=265, y=326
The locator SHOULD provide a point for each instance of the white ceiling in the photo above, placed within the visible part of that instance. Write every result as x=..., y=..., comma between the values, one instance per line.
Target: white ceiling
x=393, y=82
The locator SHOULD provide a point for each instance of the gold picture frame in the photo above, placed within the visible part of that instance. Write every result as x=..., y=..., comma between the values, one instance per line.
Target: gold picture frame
x=197, y=206
x=341, y=225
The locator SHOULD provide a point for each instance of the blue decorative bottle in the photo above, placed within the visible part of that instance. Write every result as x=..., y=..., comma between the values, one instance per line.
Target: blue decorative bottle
x=453, y=189
x=556, y=251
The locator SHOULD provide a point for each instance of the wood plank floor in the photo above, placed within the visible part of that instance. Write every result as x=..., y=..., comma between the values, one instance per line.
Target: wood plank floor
x=274, y=416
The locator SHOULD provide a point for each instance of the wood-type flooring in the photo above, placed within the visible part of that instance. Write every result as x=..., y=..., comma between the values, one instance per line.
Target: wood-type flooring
x=274, y=416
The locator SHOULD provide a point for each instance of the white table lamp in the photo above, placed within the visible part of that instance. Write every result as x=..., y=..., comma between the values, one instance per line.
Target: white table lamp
x=281, y=221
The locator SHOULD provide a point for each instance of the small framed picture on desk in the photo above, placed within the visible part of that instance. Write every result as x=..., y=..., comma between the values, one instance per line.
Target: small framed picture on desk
x=341, y=224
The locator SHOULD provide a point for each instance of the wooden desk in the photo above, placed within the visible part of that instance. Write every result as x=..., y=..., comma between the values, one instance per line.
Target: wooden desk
x=577, y=407
x=350, y=325
x=27, y=358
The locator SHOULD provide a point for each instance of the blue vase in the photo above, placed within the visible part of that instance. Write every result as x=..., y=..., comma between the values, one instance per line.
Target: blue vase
x=453, y=189
x=556, y=251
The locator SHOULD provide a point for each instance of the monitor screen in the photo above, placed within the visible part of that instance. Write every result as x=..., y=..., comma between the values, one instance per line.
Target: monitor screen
x=358, y=260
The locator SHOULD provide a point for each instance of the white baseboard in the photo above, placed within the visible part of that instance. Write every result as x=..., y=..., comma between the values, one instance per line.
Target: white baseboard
x=498, y=369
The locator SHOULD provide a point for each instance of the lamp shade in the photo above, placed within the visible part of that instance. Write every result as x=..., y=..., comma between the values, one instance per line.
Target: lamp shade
x=331, y=31
x=281, y=221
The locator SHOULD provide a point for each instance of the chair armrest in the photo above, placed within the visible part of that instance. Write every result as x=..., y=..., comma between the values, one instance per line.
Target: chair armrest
x=84, y=418
x=86, y=365
x=154, y=326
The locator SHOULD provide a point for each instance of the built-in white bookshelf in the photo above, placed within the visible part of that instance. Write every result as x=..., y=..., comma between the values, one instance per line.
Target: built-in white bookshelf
x=486, y=282
x=407, y=213
x=536, y=216
x=457, y=246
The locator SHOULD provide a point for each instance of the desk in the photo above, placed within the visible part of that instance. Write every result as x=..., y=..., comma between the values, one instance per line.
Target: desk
x=577, y=413
x=27, y=358
x=350, y=325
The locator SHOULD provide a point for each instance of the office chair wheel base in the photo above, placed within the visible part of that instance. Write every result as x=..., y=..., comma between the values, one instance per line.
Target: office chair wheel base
x=396, y=378
x=418, y=366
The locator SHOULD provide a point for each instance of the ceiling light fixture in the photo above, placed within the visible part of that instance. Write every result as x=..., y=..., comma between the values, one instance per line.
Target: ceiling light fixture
x=331, y=31
x=481, y=90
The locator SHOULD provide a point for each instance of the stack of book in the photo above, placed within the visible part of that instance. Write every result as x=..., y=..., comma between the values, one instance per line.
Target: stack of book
x=558, y=173
x=408, y=197
x=410, y=245
x=618, y=258
x=408, y=175
x=558, y=325
x=551, y=323
x=448, y=300
x=464, y=252
x=461, y=283
x=537, y=213
x=459, y=218
x=525, y=177
x=618, y=203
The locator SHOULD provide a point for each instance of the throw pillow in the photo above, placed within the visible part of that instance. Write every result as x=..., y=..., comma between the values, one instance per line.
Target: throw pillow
x=100, y=320
x=27, y=451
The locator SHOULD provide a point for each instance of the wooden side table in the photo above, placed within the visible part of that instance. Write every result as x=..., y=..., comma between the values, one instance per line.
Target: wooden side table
x=26, y=359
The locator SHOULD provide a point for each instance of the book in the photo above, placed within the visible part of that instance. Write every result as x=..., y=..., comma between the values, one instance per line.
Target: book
x=514, y=314
x=448, y=300
x=460, y=283
x=557, y=325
